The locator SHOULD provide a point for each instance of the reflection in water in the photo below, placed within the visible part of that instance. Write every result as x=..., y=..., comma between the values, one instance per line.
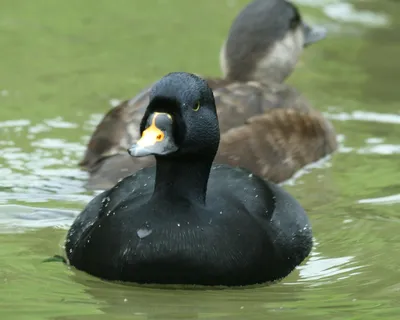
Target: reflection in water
x=320, y=270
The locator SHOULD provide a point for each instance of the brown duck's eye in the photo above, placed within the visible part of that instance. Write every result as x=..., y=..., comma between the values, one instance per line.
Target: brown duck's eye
x=197, y=106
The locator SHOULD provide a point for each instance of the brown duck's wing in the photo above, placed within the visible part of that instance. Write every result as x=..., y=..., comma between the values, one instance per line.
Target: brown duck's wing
x=112, y=169
x=238, y=102
x=276, y=144
x=116, y=132
x=215, y=83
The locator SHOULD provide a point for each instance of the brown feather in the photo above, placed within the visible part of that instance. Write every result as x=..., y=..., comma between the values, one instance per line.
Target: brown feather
x=278, y=143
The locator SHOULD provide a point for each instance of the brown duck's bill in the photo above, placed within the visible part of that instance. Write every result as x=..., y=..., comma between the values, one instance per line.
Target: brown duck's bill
x=313, y=34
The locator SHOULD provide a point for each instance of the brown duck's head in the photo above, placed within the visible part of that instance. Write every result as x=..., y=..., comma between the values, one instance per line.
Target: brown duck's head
x=265, y=41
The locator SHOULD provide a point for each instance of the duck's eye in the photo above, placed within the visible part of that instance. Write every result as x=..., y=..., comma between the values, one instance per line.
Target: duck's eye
x=196, y=106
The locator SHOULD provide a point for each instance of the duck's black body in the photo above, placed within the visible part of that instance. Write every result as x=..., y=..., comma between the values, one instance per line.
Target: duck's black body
x=184, y=221
x=249, y=232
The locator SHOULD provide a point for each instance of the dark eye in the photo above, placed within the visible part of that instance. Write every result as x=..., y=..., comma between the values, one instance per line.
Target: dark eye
x=295, y=21
x=196, y=106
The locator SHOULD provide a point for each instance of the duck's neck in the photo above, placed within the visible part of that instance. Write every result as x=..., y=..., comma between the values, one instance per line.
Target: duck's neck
x=183, y=177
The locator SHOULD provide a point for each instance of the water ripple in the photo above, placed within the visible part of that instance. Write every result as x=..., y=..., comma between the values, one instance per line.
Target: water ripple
x=346, y=12
x=365, y=116
x=15, y=218
x=42, y=168
x=393, y=199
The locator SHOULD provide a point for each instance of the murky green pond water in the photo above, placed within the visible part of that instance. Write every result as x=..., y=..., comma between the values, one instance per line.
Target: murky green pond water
x=61, y=64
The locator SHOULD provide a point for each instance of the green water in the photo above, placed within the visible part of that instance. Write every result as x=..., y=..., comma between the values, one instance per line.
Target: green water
x=61, y=63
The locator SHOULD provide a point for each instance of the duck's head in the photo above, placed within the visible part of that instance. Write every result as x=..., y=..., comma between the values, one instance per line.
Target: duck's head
x=180, y=120
x=265, y=41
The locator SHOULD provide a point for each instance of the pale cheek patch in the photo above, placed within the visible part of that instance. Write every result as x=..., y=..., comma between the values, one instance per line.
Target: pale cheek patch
x=280, y=61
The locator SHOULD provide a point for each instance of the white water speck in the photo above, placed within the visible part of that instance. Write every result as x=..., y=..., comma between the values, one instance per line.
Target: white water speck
x=114, y=102
x=374, y=140
x=347, y=13
x=365, y=116
x=38, y=128
x=178, y=224
x=60, y=123
x=143, y=232
x=105, y=199
x=393, y=199
x=14, y=123
x=385, y=149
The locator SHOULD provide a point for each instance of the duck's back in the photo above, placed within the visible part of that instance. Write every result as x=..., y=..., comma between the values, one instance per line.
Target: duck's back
x=249, y=232
x=138, y=186
x=284, y=221
x=270, y=129
x=238, y=101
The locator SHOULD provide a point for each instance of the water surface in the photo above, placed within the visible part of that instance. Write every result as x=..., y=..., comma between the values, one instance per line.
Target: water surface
x=62, y=65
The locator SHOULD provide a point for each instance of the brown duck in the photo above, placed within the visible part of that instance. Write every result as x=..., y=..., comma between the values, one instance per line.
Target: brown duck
x=266, y=126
